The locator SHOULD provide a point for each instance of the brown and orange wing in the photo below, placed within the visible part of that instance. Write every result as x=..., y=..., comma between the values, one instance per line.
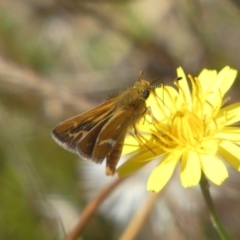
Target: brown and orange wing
x=86, y=144
x=68, y=133
x=109, y=141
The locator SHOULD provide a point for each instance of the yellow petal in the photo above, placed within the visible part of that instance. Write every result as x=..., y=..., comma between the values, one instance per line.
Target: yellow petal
x=183, y=82
x=225, y=79
x=231, y=153
x=147, y=152
x=213, y=168
x=143, y=156
x=129, y=167
x=214, y=86
x=166, y=99
x=130, y=145
x=212, y=82
x=229, y=115
x=184, y=93
x=162, y=173
x=153, y=104
x=190, y=169
x=207, y=78
x=209, y=147
x=229, y=133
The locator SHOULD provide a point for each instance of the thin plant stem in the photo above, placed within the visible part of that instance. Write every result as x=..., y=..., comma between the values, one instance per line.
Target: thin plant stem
x=91, y=209
x=138, y=220
x=213, y=215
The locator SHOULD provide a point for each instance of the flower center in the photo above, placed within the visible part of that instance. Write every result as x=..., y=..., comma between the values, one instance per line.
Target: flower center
x=187, y=127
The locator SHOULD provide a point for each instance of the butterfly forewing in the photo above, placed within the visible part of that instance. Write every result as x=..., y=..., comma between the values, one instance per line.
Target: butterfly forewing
x=70, y=132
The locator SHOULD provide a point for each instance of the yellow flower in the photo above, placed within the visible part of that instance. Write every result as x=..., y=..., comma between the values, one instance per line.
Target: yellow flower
x=190, y=127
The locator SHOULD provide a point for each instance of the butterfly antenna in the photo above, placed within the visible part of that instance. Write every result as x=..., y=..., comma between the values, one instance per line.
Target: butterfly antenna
x=140, y=75
x=165, y=83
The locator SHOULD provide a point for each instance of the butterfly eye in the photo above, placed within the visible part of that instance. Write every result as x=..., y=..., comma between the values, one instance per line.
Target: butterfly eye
x=145, y=93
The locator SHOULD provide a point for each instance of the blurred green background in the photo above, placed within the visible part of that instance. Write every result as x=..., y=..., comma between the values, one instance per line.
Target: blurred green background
x=59, y=58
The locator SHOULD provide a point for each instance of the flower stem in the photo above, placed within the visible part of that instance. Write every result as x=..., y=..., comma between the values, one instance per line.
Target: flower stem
x=91, y=209
x=213, y=215
x=141, y=216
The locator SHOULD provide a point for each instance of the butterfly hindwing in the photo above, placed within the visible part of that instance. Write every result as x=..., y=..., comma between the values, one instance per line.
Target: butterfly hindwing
x=111, y=136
